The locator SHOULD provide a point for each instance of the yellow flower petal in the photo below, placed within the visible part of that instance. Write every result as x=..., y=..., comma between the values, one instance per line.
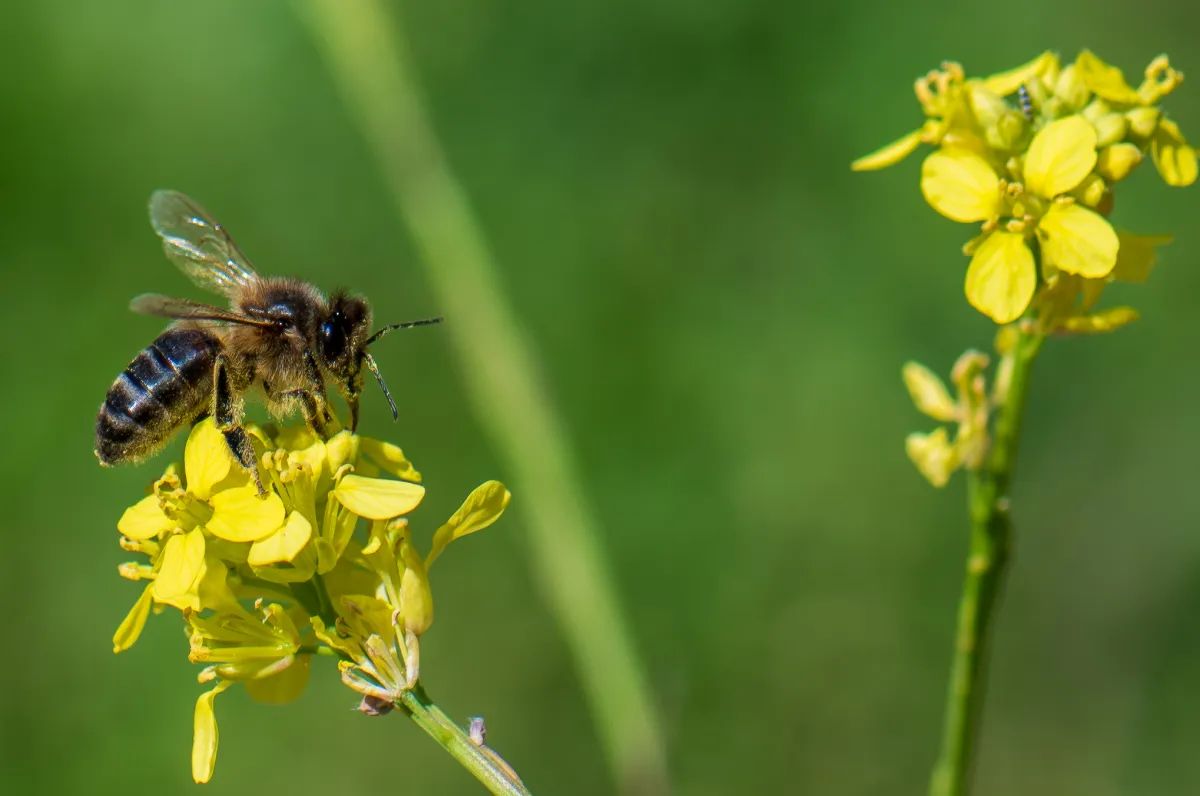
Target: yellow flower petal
x=960, y=185
x=1005, y=83
x=481, y=508
x=144, y=520
x=1098, y=323
x=1002, y=277
x=933, y=455
x=376, y=498
x=182, y=567
x=1104, y=80
x=1060, y=156
x=313, y=457
x=131, y=626
x=1078, y=241
x=342, y=448
x=929, y=393
x=390, y=458
x=1174, y=159
x=889, y=154
x=240, y=515
x=283, y=687
x=213, y=588
x=416, y=598
x=1137, y=256
x=302, y=568
x=206, y=459
x=204, y=734
x=294, y=438
x=283, y=545
x=349, y=577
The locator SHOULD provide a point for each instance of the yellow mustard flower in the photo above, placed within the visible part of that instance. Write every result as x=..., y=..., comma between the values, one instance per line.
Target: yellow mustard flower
x=936, y=456
x=1075, y=239
x=1038, y=171
x=400, y=578
x=1174, y=158
x=264, y=584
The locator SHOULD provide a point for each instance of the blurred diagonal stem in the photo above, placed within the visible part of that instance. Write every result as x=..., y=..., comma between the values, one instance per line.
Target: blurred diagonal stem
x=987, y=561
x=367, y=57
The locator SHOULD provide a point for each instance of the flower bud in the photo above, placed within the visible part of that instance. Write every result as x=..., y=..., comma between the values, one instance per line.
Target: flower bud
x=1116, y=161
x=1096, y=110
x=933, y=455
x=928, y=393
x=1110, y=129
x=988, y=107
x=1143, y=121
x=1070, y=89
x=1009, y=130
x=1091, y=191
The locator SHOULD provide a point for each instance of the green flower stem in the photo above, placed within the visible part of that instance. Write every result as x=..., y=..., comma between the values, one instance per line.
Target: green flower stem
x=479, y=760
x=367, y=57
x=324, y=604
x=305, y=593
x=320, y=650
x=987, y=560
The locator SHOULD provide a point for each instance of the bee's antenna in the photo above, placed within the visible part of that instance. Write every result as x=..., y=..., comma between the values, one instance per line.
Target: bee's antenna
x=390, y=327
x=379, y=376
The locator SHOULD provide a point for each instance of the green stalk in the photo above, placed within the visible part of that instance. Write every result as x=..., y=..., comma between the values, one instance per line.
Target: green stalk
x=324, y=603
x=366, y=55
x=479, y=760
x=987, y=559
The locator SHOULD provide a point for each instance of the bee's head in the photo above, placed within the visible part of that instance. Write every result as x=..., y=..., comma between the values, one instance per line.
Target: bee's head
x=343, y=340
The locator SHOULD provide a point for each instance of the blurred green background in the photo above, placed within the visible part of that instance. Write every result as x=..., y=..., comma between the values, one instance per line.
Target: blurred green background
x=721, y=309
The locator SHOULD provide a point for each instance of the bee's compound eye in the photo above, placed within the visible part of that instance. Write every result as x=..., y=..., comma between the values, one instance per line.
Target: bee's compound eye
x=333, y=338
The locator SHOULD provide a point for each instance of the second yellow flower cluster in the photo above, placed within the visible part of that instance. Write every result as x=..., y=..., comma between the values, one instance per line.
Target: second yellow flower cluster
x=1033, y=155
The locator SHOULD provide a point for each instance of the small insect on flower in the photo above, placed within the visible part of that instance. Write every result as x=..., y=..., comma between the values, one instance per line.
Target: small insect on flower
x=1025, y=101
x=281, y=335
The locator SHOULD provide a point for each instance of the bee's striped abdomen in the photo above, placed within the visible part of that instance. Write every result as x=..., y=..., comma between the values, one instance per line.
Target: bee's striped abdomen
x=168, y=385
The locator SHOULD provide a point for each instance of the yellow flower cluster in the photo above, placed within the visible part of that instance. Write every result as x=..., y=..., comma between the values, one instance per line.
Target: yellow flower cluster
x=935, y=454
x=1033, y=155
x=265, y=584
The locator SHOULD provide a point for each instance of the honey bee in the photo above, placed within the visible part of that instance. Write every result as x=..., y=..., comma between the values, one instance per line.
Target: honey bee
x=280, y=335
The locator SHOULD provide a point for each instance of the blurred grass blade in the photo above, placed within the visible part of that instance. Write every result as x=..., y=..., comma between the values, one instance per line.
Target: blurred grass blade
x=366, y=55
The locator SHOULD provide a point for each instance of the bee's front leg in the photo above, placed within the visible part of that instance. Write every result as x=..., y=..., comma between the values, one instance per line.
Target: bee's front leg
x=227, y=412
x=315, y=407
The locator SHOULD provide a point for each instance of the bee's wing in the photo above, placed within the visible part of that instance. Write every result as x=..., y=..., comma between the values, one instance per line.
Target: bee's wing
x=198, y=245
x=168, y=307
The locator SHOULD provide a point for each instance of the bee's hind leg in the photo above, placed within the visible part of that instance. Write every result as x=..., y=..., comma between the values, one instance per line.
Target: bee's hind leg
x=226, y=411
